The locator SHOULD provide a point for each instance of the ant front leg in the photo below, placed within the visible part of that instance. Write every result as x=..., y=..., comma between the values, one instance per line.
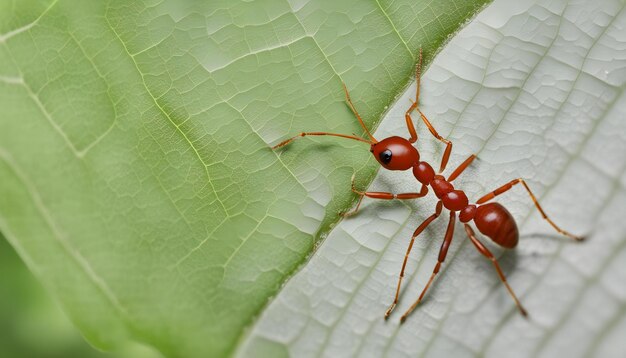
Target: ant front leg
x=506, y=187
x=461, y=167
x=433, y=131
x=383, y=196
x=443, y=252
x=485, y=252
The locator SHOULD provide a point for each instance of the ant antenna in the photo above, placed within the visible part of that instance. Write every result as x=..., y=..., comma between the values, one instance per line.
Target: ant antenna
x=351, y=105
x=304, y=134
x=353, y=137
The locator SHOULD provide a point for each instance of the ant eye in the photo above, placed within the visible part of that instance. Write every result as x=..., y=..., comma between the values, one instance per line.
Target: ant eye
x=385, y=156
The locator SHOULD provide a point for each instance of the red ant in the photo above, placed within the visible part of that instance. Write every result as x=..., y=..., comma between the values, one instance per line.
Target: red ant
x=491, y=219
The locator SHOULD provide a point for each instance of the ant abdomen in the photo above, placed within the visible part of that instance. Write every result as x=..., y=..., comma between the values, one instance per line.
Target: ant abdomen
x=497, y=223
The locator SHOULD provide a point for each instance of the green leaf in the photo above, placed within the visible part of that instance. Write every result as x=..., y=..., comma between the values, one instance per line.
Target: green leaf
x=536, y=90
x=137, y=181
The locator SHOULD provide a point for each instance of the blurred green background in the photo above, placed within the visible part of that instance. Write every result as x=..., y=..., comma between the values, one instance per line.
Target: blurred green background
x=33, y=325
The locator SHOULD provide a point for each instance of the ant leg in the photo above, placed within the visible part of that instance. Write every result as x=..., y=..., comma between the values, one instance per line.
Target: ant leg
x=485, y=252
x=461, y=167
x=407, y=115
x=384, y=196
x=419, y=229
x=508, y=186
x=433, y=131
x=442, y=256
x=304, y=134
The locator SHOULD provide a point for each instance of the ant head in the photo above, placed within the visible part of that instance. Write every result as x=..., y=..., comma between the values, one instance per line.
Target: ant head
x=395, y=153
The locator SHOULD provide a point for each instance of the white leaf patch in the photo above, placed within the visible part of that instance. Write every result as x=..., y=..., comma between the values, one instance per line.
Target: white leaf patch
x=536, y=90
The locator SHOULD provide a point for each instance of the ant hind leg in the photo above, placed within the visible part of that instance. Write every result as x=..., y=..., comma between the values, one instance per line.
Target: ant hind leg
x=485, y=252
x=506, y=187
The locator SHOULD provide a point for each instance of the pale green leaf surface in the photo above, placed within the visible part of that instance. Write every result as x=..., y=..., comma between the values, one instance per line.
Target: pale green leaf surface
x=137, y=182
x=536, y=89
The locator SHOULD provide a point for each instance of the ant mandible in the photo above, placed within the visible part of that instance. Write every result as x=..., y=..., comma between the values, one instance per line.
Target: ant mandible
x=492, y=219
